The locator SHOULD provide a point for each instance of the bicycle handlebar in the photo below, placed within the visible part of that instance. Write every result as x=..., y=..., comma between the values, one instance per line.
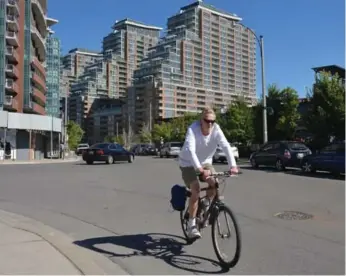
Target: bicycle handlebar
x=224, y=174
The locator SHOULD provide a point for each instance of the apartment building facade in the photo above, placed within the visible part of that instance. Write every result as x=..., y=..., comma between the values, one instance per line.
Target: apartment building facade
x=205, y=58
x=100, y=80
x=53, y=75
x=77, y=59
x=104, y=119
x=131, y=40
x=72, y=66
x=24, y=128
x=108, y=77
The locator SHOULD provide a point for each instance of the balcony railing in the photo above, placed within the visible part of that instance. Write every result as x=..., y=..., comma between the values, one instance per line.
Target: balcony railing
x=13, y=4
x=38, y=109
x=10, y=68
x=39, y=81
x=36, y=63
x=39, y=95
x=11, y=85
x=38, y=34
x=37, y=3
x=12, y=22
x=12, y=53
x=12, y=37
x=10, y=101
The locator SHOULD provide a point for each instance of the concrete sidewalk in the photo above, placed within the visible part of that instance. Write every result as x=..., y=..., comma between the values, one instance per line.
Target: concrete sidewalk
x=28, y=246
x=22, y=252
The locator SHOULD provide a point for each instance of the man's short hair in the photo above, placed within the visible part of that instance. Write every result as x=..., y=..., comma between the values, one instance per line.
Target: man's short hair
x=208, y=110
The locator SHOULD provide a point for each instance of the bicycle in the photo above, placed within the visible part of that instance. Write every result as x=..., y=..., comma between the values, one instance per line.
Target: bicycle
x=217, y=206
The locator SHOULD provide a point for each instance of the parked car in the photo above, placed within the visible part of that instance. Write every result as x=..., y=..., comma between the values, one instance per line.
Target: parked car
x=220, y=156
x=138, y=149
x=331, y=159
x=280, y=154
x=144, y=149
x=170, y=149
x=150, y=149
x=107, y=152
x=81, y=148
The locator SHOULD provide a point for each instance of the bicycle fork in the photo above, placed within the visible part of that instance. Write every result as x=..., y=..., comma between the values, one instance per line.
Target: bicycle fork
x=222, y=235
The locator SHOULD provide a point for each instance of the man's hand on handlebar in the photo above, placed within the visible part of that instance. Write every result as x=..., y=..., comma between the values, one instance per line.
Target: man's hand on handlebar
x=204, y=174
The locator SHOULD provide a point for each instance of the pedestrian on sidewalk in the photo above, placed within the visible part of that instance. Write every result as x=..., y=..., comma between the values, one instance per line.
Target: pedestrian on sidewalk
x=62, y=150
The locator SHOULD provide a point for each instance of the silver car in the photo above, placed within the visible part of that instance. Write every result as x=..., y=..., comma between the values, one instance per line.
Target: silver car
x=170, y=149
x=220, y=156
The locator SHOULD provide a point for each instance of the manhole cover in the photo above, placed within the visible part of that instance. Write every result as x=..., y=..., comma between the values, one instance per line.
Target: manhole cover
x=293, y=215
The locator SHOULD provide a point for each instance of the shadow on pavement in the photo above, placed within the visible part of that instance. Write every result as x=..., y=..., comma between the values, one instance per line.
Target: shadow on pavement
x=298, y=172
x=165, y=247
x=85, y=164
x=101, y=163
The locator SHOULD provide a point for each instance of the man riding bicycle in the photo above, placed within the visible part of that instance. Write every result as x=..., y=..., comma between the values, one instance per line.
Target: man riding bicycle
x=201, y=141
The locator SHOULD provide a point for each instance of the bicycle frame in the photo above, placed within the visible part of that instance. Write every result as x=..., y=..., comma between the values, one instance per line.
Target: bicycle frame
x=211, y=212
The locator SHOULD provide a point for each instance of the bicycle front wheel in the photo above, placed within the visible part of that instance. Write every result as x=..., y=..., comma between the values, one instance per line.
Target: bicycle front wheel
x=184, y=218
x=226, y=260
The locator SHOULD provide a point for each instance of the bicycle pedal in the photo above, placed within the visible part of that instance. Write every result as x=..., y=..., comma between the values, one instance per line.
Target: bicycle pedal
x=205, y=225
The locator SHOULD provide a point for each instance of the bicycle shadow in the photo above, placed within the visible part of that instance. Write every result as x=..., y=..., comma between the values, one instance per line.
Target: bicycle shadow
x=160, y=246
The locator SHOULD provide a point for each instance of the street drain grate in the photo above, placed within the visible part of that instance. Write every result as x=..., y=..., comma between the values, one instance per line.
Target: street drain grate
x=293, y=215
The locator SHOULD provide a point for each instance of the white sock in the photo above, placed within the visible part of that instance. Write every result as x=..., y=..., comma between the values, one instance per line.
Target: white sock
x=192, y=222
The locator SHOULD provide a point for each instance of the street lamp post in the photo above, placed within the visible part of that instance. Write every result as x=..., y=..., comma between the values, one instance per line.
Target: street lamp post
x=260, y=42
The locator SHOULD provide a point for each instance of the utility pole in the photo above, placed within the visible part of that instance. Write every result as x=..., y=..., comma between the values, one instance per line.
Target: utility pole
x=261, y=44
x=51, y=138
x=265, y=127
x=150, y=104
x=150, y=115
x=65, y=120
x=128, y=130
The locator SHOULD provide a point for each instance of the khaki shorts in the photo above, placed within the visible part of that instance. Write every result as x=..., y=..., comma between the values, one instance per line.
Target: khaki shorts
x=189, y=173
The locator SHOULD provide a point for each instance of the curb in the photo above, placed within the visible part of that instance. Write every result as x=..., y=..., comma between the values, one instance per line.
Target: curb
x=39, y=162
x=86, y=261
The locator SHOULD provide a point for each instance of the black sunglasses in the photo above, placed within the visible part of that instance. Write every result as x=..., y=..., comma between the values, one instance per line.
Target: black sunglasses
x=209, y=121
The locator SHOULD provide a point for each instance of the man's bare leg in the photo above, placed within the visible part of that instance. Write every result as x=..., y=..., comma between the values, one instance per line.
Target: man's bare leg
x=193, y=207
x=212, y=191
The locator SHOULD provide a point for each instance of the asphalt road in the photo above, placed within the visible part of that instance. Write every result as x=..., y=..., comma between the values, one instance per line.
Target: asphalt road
x=123, y=211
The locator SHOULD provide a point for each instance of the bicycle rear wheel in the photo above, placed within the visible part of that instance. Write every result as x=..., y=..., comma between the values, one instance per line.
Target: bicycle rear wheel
x=216, y=232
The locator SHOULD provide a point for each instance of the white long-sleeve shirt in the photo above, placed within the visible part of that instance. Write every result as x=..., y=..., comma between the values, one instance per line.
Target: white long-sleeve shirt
x=199, y=149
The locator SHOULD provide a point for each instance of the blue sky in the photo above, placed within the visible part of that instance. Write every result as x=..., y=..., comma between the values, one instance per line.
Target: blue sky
x=298, y=34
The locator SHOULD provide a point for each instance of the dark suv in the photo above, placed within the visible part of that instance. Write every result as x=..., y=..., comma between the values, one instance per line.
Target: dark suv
x=331, y=158
x=280, y=154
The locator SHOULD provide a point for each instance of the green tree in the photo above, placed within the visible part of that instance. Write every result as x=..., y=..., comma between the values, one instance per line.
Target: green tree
x=288, y=114
x=119, y=140
x=145, y=134
x=282, y=122
x=180, y=125
x=273, y=101
x=114, y=139
x=110, y=139
x=75, y=134
x=237, y=122
x=326, y=115
x=164, y=130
